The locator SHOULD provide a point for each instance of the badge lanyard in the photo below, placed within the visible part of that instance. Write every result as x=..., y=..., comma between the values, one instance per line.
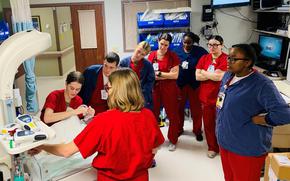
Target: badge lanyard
x=221, y=96
x=155, y=64
x=185, y=63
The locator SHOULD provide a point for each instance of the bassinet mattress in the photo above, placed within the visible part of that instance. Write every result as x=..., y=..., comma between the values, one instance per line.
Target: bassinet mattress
x=46, y=167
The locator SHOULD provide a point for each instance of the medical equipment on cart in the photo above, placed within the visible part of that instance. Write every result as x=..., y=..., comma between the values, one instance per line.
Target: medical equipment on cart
x=27, y=122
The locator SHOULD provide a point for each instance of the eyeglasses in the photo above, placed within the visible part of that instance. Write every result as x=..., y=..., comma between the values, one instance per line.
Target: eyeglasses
x=212, y=45
x=233, y=59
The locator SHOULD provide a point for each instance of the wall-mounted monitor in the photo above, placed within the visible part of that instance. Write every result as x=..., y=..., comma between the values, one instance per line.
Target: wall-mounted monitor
x=229, y=3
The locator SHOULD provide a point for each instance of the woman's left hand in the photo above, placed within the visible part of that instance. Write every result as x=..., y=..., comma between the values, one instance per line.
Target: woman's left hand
x=35, y=151
x=91, y=111
x=259, y=119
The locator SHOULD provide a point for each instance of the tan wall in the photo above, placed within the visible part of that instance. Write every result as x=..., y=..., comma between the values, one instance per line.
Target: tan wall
x=50, y=66
x=46, y=66
x=65, y=37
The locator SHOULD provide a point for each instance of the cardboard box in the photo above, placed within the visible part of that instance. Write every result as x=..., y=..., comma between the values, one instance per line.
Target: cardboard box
x=279, y=164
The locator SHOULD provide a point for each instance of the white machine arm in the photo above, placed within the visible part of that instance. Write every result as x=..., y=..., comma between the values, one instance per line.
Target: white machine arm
x=14, y=51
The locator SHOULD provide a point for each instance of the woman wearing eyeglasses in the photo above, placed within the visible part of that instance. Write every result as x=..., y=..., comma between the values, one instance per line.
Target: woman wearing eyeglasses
x=189, y=55
x=126, y=137
x=166, y=67
x=209, y=71
x=248, y=107
x=143, y=69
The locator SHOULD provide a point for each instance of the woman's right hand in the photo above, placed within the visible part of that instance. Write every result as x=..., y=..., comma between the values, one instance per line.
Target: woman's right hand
x=81, y=110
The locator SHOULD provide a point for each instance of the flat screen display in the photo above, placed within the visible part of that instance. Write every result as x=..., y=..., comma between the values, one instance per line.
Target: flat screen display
x=271, y=46
x=229, y=3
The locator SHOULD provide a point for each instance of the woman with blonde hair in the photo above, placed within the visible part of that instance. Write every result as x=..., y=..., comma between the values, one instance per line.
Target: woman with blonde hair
x=144, y=69
x=125, y=137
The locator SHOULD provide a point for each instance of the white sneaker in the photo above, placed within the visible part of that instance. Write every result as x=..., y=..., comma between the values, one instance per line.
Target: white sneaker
x=171, y=147
x=211, y=154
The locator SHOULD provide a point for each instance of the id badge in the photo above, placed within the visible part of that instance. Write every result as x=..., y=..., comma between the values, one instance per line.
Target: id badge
x=210, y=68
x=155, y=66
x=184, y=65
x=220, y=100
x=104, y=95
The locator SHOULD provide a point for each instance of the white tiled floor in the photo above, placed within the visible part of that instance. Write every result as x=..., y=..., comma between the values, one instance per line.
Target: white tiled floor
x=189, y=161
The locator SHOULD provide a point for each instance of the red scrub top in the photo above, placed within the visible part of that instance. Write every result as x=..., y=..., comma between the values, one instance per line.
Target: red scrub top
x=137, y=68
x=209, y=89
x=123, y=140
x=96, y=102
x=169, y=60
x=56, y=101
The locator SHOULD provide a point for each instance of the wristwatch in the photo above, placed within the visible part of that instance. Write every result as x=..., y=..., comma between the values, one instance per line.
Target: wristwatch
x=159, y=74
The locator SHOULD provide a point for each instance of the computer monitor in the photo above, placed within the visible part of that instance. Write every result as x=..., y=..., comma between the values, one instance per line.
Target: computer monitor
x=229, y=3
x=271, y=47
x=274, y=52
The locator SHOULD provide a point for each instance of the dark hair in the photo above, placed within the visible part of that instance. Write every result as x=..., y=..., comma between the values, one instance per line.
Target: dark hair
x=112, y=57
x=218, y=38
x=248, y=51
x=75, y=76
x=257, y=48
x=195, y=38
x=165, y=36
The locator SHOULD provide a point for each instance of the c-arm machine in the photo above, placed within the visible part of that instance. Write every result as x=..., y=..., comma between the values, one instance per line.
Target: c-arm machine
x=13, y=52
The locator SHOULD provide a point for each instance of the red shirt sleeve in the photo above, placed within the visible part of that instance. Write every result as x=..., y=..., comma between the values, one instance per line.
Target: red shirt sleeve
x=200, y=63
x=91, y=139
x=151, y=56
x=51, y=101
x=175, y=59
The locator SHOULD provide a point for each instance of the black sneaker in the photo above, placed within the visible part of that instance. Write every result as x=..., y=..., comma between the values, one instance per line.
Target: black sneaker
x=199, y=137
x=154, y=164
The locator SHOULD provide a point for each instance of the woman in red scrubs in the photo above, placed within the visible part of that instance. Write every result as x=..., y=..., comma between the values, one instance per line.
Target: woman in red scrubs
x=126, y=137
x=166, y=67
x=210, y=70
x=64, y=103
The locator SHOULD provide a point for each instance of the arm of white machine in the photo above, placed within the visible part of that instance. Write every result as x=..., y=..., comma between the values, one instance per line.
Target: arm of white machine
x=13, y=52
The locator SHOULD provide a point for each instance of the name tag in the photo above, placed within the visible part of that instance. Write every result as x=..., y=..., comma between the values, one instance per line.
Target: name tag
x=220, y=100
x=155, y=66
x=210, y=68
x=184, y=65
x=104, y=95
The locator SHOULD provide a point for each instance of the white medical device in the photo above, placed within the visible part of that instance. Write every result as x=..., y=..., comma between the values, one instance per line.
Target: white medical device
x=27, y=135
x=26, y=121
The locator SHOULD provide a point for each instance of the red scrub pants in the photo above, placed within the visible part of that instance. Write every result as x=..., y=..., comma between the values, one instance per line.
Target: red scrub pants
x=143, y=177
x=188, y=93
x=165, y=93
x=241, y=168
x=209, y=116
